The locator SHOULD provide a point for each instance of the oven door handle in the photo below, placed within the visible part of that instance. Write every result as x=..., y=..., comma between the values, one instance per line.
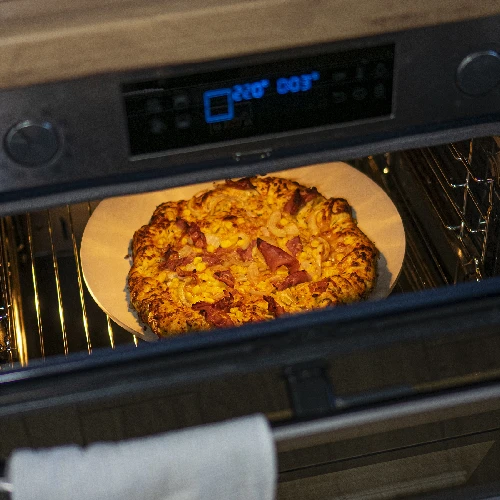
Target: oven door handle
x=374, y=419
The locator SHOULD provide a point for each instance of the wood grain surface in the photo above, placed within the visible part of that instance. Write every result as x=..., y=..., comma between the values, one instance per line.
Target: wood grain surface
x=47, y=40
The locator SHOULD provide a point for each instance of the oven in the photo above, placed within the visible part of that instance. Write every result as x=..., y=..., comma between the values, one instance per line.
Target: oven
x=390, y=398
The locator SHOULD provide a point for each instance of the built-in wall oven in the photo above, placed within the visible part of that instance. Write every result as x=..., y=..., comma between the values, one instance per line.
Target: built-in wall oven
x=391, y=398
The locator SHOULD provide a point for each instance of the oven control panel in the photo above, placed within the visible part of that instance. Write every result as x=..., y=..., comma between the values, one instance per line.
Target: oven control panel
x=127, y=132
x=258, y=100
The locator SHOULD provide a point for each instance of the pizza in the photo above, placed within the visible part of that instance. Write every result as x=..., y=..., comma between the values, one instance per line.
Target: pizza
x=247, y=250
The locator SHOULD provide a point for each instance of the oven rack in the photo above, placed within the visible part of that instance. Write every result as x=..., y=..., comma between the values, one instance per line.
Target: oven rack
x=40, y=263
x=469, y=196
x=5, y=345
x=46, y=309
x=458, y=184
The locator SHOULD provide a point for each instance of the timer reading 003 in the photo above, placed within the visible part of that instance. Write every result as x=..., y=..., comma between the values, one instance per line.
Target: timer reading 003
x=219, y=103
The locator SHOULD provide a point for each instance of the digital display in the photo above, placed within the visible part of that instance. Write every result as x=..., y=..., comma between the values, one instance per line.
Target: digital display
x=257, y=100
x=219, y=104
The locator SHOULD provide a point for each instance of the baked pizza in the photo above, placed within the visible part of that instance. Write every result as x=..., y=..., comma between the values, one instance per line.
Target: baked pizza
x=247, y=250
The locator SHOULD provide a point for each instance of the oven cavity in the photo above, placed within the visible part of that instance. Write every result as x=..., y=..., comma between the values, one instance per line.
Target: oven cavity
x=448, y=198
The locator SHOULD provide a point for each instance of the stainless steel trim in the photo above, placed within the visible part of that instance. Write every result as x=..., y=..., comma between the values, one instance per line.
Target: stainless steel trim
x=369, y=421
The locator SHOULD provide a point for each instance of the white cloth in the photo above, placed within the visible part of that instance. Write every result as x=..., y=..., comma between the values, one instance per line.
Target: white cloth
x=233, y=460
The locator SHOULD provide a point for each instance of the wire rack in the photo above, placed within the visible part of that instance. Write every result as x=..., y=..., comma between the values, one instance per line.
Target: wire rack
x=47, y=308
x=5, y=343
x=446, y=195
x=459, y=182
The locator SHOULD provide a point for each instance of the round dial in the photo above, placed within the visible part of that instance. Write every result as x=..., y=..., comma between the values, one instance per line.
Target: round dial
x=32, y=143
x=479, y=72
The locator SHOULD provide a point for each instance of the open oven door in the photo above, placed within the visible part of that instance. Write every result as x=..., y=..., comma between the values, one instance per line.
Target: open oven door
x=399, y=398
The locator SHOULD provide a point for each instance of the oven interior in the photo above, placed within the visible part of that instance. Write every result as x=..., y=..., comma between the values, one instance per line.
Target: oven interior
x=448, y=198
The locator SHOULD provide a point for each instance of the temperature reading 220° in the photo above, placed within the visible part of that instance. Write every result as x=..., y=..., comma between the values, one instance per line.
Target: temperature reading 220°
x=296, y=83
x=247, y=91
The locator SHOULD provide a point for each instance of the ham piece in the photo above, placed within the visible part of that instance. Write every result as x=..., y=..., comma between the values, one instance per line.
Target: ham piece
x=299, y=198
x=246, y=254
x=182, y=224
x=196, y=235
x=211, y=259
x=223, y=304
x=214, y=313
x=295, y=203
x=275, y=257
x=225, y=276
x=293, y=279
x=294, y=245
x=244, y=183
x=193, y=231
x=274, y=308
x=172, y=260
x=309, y=194
x=216, y=318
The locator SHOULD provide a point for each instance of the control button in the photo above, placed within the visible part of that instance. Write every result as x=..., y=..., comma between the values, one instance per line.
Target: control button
x=154, y=106
x=379, y=91
x=339, y=97
x=339, y=76
x=359, y=93
x=246, y=119
x=216, y=127
x=32, y=144
x=360, y=73
x=183, y=121
x=180, y=101
x=380, y=71
x=157, y=126
x=479, y=73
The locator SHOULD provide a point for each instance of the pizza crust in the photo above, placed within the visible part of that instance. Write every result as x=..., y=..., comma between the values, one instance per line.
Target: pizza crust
x=245, y=251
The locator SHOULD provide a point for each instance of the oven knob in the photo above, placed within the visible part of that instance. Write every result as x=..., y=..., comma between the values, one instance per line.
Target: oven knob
x=32, y=143
x=479, y=73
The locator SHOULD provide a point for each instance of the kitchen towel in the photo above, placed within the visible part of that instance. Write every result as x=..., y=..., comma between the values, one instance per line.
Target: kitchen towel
x=232, y=460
